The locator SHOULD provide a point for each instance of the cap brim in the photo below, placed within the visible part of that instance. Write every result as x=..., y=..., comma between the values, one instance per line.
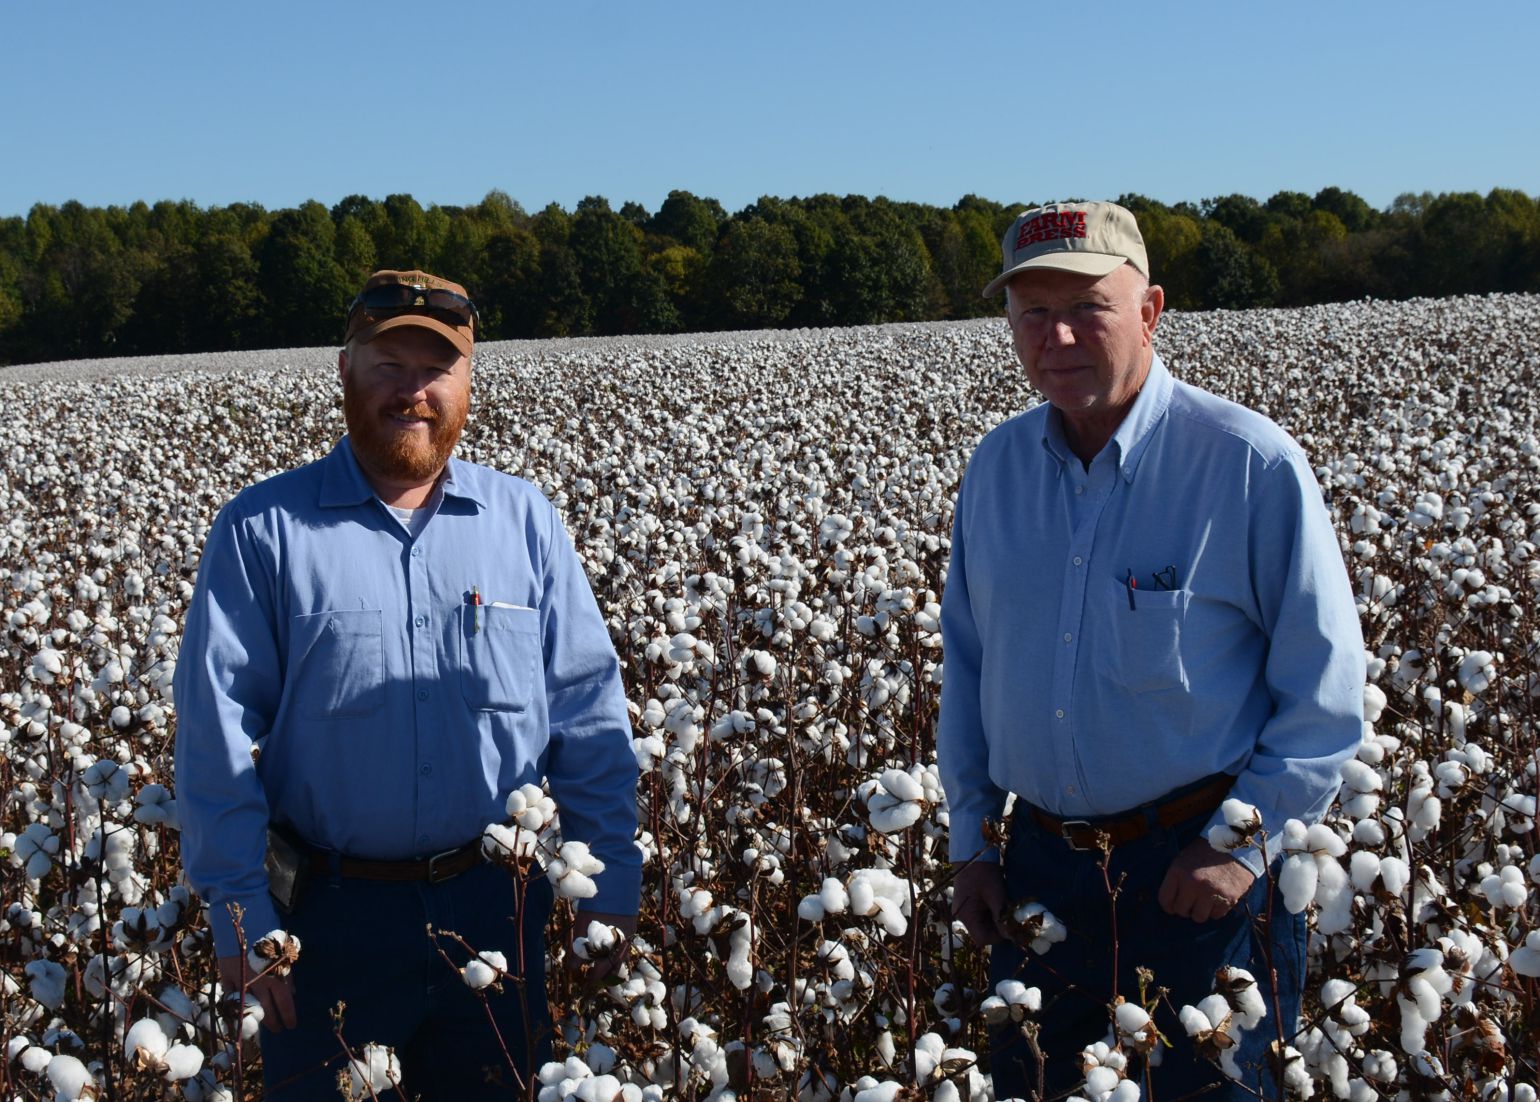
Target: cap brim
x=456, y=337
x=1091, y=264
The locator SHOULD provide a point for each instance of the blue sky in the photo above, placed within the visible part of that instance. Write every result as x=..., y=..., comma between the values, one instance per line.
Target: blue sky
x=282, y=101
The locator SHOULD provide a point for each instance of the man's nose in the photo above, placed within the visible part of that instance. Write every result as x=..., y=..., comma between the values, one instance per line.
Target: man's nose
x=1060, y=333
x=412, y=384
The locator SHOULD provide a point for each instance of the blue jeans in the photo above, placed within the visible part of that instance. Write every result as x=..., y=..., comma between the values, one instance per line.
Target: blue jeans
x=364, y=943
x=1076, y=976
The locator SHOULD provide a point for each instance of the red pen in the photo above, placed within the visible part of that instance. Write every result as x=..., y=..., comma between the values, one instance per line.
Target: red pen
x=475, y=615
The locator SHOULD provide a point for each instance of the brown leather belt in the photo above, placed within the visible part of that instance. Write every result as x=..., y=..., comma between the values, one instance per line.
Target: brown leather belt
x=1083, y=834
x=434, y=870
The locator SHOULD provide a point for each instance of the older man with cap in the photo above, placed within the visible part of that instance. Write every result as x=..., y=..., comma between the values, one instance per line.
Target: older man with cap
x=381, y=647
x=1146, y=613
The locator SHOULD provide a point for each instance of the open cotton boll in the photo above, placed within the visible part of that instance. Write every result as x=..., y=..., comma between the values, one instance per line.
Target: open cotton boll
x=277, y=951
x=740, y=970
x=572, y=869
x=505, y=845
x=1525, y=960
x=376, y=1069
x=1297, y=880
x=145, y=1044
x=1040, y=926
x=183, y=1061
x=530, y=808
x=1477, y=671
x=1241, y=823
x=1506, y=888
x=69, y=1077
x=46, y=980
x=484, y=969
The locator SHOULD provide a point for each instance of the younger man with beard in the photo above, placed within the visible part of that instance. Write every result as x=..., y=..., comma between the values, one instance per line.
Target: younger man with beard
x=382, y=645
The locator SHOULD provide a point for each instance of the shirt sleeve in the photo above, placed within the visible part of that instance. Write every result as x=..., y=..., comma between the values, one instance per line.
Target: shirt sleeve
x=591, y=766
x=962, y=752
x=1315, y=665
x=226, y=691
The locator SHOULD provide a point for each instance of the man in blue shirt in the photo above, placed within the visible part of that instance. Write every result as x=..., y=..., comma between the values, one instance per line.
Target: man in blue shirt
x=382, y=646
x=1146, y=612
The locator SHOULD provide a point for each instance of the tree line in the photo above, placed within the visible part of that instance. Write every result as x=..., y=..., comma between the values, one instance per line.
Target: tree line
x=174, y=277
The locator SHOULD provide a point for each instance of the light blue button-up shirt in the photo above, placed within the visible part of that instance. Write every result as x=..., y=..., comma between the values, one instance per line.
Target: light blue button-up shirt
x=392, y=716
x=1177, y=610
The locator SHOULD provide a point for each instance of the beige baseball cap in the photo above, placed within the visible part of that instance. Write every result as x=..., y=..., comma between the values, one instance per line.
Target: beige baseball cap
x=1089, y=238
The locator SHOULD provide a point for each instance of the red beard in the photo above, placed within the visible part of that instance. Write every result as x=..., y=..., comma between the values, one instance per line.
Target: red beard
x=384, y=447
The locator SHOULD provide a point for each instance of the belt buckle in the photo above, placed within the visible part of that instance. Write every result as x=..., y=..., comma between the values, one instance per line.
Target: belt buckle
x=435, y=876
x=1069, y=825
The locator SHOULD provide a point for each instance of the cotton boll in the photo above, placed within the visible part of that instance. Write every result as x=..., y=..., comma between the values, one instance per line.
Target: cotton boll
x=1414, y=1027
x=69, y=1077
x=1525, y=960
x=1363, y=869
x=484, y=970
x=375, y=1069
x=1395, y=874
x=183, y=1061
x=145, y=1044
x=505, y=845
x=1297, y=879
x=1380, y=1066
x=46, y=981
x=277, y=952
x=1333, y=895
x=572, y=870
x=833, y=896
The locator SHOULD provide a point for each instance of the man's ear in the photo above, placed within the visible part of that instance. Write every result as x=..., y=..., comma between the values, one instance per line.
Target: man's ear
x=1150, y=309
x=342, y=365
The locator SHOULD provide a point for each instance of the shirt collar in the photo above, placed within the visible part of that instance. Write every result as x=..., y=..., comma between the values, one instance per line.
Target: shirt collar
x=1133, y=436
x=343, y=481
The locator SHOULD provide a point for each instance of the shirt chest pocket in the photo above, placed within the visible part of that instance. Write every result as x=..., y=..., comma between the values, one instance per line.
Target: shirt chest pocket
x=1143, y=651
x=340, y=661
x=500, y=657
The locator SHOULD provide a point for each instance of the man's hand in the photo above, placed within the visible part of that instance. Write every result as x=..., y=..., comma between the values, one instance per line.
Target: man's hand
x=978, y=901
x=1203, y=884
x=274, y=992
x=599, y=969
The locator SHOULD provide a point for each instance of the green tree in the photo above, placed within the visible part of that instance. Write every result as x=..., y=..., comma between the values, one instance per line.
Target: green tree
x=752, y=279
x=690, y=221
x=354, y=250
x=305, y=289
x=508, y=297
x=1350, y=210
x=1240, y=214
x=1232, y=277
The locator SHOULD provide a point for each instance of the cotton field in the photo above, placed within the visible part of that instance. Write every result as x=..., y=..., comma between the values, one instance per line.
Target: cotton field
x=765, y=521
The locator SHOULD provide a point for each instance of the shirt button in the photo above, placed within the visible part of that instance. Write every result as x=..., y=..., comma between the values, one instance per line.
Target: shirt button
x=419, y=621
x=1078, y=560
x=426, y=770
x=417, y=552
x=422, y=839
x=1080, y=489
x=1059, y=713
x=422, y=694
x=1069, y=790
x=1068, y=636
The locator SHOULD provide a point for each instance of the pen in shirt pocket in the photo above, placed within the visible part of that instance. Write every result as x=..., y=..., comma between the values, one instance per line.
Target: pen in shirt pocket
x=474, y=600
x=1132, y=584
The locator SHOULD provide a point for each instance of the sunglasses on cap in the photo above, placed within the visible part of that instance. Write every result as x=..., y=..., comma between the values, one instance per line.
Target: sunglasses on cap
x=403, y=298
